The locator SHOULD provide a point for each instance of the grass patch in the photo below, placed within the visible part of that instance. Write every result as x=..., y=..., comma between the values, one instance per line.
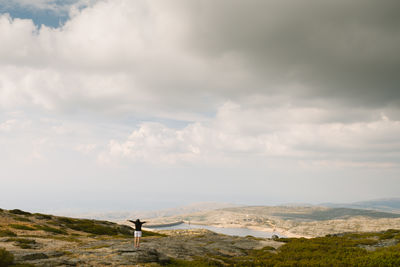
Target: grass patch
x=22, y=242
x=96, y=227
x=285, y=239
x=4, y=233
x=22, y=219
x=91, y=227
x=66, y=220
x=194, y=263
x=389, y=234
x=55, y=237
x=41, y=216
x=99, y=247
x=343, y=250
x=6, y=258
x=267, y=248
x=22, y=227
x=358, y=235
x=75, y=234
x=51, y=230
x=19, y=212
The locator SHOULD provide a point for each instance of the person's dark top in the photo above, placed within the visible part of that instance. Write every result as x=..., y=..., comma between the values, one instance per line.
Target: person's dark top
x=138, y=224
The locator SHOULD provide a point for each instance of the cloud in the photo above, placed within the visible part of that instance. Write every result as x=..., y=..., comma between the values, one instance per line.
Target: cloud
x=238, y=134
x=279, y=92
x=342, y=50
x=256, y=78
x=187, y=57
x=132, y=60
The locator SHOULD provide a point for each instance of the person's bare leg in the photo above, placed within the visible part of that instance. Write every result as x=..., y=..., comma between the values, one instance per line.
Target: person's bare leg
x=134, y=242
x=138, y=242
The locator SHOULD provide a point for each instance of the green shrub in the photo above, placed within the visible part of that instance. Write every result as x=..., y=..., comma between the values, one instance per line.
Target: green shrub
x=25, y=241
x=55, y=223
x=41, y=216
x=91, y=227
x=342, y=250
x=22, y=242
x=20, y=212
x=51, y=229
x=204, y=262
x=388, y=234
x=22, y=227
x=67, y=220
x=96, y=227
x=284, y=239
x=6, y=258
x=4, y=233
x=21, y=219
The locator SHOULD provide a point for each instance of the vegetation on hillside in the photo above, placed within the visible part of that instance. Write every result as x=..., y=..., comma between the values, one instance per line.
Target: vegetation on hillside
x=352, y=249
x=27, y=231
x=6, y=258
x=54, y=225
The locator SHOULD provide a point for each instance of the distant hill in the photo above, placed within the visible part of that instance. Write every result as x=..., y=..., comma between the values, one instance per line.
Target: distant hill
x=311, y=213
x=388, y=205
x=336, y=213
x=293, y=221
x=120, y=216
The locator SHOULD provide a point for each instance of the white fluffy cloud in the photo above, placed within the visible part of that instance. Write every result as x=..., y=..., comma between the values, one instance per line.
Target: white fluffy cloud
x=112, y=56
x=238, y=133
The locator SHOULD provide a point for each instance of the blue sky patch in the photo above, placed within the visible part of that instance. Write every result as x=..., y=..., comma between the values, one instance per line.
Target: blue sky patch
x=39, y=17
x=53, y=14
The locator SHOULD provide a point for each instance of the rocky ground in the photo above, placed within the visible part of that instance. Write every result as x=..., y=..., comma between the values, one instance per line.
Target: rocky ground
x=56, y=241
x=181, y=244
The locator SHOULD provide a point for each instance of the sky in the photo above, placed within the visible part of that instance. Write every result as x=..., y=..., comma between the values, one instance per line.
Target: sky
x=136, y=105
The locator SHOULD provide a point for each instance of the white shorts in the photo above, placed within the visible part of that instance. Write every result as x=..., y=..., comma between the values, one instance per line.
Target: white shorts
x=138, y=233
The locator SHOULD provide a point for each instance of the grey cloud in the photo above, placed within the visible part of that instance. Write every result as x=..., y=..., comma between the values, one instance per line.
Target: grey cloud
x=337, y=49
x=190, y=56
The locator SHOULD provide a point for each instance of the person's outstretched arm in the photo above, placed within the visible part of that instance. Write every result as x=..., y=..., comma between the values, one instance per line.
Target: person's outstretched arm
x=133, y=223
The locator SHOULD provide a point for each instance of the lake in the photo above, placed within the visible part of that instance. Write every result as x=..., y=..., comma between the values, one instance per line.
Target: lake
x=221, y=230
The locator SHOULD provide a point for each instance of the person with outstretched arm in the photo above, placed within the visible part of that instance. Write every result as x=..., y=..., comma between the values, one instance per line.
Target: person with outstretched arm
x=138, y=232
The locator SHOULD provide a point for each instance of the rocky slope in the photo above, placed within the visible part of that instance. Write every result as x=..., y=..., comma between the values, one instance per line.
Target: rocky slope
x=46, y=240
